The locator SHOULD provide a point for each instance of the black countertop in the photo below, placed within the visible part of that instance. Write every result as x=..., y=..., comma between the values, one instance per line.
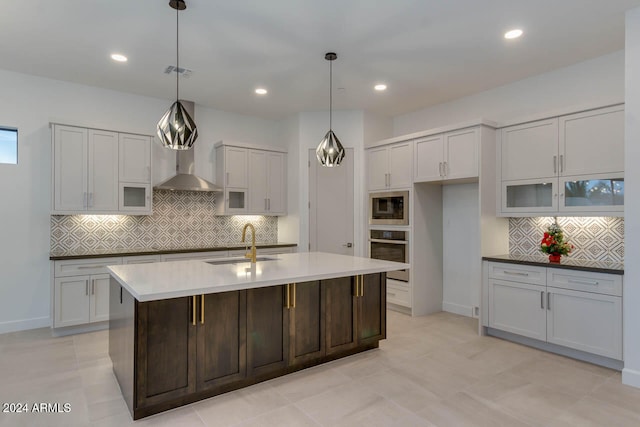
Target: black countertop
x=566, y=262
x=105, y=253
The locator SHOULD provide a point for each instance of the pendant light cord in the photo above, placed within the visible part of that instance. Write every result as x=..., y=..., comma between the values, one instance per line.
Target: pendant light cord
x=330, y=91
x=177, y=53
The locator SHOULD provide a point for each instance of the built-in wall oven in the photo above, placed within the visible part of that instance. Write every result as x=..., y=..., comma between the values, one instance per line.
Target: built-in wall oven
x=389, y=208
x=391, y=245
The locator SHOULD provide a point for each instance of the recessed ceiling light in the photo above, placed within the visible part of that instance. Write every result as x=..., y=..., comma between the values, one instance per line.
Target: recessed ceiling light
x=380, y=87
x=261, y=91
x=513, y=34
x=118, y=57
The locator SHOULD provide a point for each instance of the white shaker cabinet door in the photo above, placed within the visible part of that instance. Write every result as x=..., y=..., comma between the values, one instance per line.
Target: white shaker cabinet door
x=70, y=154
x=103, y=171
x=258, y=185
x=517, y=308
x=235, y=167
x=461, y=154
x=585, y=321
x=276, y=177
x=592, y=142
x=530, y=150
x=135, y=158
x=99, y=298
x=400, y=165
x=71, y=306
x=428, y=159
x=377, y=168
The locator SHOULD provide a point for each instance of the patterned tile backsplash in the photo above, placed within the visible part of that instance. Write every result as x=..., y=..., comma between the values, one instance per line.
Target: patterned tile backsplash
x=181, y=219
x=594, y=238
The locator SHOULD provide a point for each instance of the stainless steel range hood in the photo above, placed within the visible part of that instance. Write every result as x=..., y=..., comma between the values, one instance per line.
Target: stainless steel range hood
x=185, y=179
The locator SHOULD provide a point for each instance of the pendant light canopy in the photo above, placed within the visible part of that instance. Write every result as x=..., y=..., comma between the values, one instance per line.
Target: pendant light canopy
x=176, y=128
x=330, y=151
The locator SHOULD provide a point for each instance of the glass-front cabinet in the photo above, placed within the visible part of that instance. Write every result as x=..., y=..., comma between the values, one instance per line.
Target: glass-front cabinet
x=530, y=196
x=135, y=198
x=593, y=193
x=574, y=195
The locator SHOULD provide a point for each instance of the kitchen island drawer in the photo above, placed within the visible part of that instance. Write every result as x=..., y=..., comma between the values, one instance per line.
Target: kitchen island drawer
x=518, y=273
x=78, y=267
x=398, y=293
x=598, y=283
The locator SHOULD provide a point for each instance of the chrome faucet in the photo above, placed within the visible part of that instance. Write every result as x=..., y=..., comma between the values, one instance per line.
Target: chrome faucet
x=252, y=253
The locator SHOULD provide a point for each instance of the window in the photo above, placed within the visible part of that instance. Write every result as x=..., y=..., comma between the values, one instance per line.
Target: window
x=9, y=146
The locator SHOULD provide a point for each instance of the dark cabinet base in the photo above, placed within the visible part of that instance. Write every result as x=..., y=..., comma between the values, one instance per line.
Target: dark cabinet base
x=252, y=336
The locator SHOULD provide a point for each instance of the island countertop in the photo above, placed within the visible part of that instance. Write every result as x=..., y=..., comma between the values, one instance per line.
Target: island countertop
x=156, y=281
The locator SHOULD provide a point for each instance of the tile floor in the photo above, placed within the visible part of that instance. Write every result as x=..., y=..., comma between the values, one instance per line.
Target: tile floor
x=431, y=371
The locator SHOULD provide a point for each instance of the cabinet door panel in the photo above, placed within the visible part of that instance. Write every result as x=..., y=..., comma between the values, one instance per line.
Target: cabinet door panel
x=258, y=185
x=277, y=191
x=135, y=158
x=372, y=309
x=267, y=330
x=377, y=168
x=518, y=308
x=307, y=322
x=235, y=165
x=71, y=305
x=461, y=158
x=341, y=314
x=70, y=168
x=428, y=159
x=400, y=165
x=166, y=354
x=222, y=332
x=103, y=171
x=528, y=150
x=99, y=308
x=592, y=142
x=585, y=321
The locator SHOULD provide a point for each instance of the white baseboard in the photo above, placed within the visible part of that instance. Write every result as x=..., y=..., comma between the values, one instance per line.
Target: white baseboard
x=463, y=310
x=23, y=325
x=631, y=377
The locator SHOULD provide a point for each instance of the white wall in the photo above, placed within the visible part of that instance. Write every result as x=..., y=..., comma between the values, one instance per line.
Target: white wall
x=596, y=82
x=631, y=291
x=30, y=103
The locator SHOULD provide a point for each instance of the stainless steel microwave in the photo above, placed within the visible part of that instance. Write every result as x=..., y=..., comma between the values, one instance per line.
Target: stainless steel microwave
x=389, y=208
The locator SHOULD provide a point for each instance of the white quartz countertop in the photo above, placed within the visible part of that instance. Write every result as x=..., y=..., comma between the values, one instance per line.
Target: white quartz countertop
x=162, y=280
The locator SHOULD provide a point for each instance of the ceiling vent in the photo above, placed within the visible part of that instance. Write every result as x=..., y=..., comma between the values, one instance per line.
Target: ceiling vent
x=183, y=72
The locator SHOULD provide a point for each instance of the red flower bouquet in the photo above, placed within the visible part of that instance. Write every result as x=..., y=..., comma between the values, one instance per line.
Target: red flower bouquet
x=553, y=243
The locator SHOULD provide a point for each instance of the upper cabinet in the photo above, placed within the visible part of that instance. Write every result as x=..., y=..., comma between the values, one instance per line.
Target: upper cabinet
x=87, y=172
x=253, y=177
x=448, y=156
x=389, y=167
x=568, y=165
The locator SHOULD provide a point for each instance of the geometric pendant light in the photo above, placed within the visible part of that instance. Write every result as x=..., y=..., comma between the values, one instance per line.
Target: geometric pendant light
x=330, y=151
x=176, y=128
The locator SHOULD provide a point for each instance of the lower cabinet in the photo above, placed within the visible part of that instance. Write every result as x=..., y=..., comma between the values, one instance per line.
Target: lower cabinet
x=574, y=309
x=190, y=348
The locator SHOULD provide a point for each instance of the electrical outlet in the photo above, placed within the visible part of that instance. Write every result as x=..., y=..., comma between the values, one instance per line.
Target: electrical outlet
x=476, y=311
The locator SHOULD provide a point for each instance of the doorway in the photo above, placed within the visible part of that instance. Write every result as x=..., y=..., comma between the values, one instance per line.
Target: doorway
x=331, y=202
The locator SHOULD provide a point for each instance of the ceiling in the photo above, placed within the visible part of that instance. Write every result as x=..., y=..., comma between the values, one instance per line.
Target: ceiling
x=426, y=51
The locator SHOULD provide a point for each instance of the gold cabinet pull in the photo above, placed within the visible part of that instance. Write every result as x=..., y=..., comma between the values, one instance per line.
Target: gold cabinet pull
x=193, y=315
x=361, y=285
x=202, y=309
x=293, y=304
x=288, y=297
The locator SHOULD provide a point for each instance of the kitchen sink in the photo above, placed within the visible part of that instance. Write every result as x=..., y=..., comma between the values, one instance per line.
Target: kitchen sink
x=239, y=260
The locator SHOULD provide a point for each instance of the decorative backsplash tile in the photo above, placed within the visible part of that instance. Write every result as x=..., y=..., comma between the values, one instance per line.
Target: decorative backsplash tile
x=594, y=238
x=182, y=219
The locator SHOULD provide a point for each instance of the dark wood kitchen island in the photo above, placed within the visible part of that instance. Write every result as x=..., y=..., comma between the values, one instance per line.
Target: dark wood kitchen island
x=188, y=330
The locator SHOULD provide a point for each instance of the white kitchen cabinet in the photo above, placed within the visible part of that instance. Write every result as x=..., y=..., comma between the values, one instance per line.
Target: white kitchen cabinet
x=81, y=291
x=267, y=177
x=140, y=259
x=580, y=155
x=254, y=179
x=517, y=308
x=592, y=142
x=574, y=309
x=390, y=167
x=88, y=167
x=530, y=150
x=135, y=158
x=85, y=169
x=449, y=156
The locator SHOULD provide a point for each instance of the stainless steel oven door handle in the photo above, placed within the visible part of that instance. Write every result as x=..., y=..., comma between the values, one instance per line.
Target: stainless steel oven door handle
x=393, y=242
